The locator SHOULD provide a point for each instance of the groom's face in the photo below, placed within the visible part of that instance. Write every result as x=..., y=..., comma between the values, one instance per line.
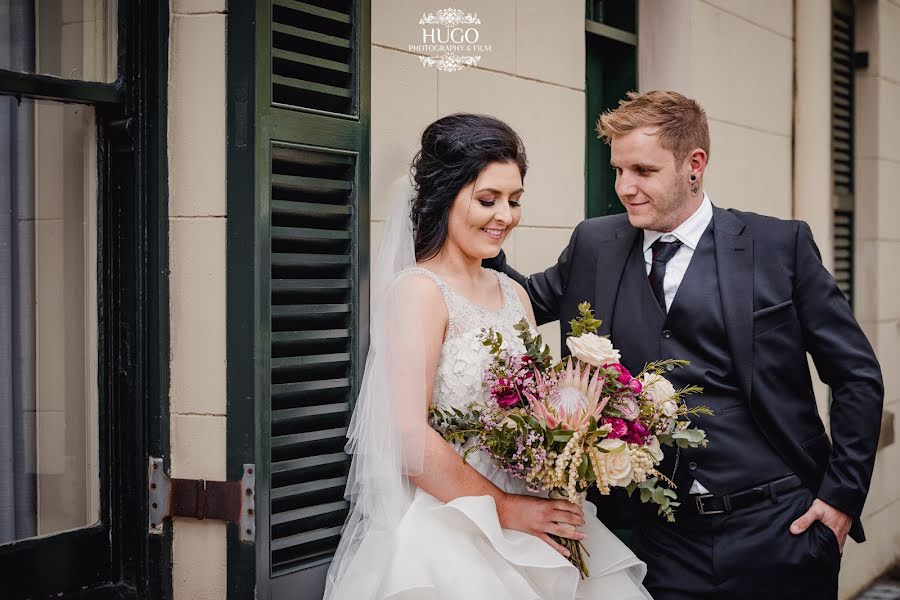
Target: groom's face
x=651, y=186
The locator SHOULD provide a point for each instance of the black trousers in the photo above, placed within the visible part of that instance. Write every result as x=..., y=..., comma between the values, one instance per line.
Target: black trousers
x=749, y=553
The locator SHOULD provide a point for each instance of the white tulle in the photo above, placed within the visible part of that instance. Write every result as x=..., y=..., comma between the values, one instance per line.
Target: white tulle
x=386, y=436
x=399, y=542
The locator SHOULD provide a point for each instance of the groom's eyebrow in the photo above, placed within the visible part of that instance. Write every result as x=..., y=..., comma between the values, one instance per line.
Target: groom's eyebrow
x=646, y=167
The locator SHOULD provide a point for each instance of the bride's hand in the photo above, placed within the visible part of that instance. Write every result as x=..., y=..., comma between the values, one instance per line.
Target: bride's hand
x=542, y=517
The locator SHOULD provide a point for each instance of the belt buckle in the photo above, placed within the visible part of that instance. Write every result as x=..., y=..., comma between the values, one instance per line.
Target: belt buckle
x=702, y=511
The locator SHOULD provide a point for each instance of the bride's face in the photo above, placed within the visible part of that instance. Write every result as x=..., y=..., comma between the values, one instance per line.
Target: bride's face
x=486, y=211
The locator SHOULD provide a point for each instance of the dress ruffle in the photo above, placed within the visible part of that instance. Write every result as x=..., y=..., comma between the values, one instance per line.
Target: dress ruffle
x=458, y=550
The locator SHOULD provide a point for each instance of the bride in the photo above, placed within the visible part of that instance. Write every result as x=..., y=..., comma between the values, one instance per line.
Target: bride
x=423, y=524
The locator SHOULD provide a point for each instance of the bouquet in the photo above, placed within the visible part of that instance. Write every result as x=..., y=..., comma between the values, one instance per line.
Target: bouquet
x=585, y=421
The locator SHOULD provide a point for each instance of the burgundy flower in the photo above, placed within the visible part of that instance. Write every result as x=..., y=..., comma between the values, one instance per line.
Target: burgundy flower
x=506, y=397
x=636, y=386
x=637, y=433
x=624, y=376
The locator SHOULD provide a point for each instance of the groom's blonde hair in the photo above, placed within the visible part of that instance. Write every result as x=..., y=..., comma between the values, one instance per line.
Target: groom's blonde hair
x=679, y=121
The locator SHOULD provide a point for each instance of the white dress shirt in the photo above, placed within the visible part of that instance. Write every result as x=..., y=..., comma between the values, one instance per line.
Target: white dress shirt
x=689, y=234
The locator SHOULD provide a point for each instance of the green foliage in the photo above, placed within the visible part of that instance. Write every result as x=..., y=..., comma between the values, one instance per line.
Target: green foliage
x=586, y=323
x=663, y=497
x=535, y=348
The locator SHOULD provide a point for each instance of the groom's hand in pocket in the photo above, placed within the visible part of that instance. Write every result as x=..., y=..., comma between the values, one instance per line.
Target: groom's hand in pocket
x=836, y=520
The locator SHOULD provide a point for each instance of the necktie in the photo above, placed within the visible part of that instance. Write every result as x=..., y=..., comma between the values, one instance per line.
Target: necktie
x=662, y=253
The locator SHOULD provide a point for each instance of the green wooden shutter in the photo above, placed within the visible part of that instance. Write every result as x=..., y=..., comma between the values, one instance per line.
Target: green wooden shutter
x=610, y=72
x=842, y=144
x=311, y=224
x=313, y=300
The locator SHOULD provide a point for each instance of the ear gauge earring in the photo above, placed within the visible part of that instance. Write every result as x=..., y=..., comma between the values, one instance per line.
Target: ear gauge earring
x=695, y=187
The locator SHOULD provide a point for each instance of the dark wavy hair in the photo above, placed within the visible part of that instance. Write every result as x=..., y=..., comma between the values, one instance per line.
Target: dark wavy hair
x=455, y=149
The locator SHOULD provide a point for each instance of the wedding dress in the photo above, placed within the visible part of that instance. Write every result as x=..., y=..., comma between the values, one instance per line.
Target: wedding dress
x=457, y=550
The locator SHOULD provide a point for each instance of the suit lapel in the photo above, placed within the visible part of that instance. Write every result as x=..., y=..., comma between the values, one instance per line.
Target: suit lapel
x=734, y=263
x=612, y=256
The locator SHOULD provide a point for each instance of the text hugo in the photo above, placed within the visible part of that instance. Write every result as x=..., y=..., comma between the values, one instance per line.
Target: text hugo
x=456, y=35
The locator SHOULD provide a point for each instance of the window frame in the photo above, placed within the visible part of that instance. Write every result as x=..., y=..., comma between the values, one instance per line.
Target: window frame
x=117, y=557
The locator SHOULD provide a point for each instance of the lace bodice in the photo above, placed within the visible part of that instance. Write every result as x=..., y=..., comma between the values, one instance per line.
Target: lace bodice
x=463, y=356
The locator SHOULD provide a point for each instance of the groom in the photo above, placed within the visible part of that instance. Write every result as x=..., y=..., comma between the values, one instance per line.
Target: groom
x=766, y=507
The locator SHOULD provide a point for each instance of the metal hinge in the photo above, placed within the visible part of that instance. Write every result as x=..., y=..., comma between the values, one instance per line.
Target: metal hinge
x=231, y=501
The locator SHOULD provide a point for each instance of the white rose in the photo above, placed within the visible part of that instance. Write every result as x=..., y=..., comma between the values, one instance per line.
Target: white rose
x=617, y=461
x=662, y=390
x=593, y=349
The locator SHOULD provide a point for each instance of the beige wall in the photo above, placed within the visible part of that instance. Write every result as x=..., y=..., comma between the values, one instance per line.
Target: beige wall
x=533, y=79
x=878, y=252
x=196, y=142
x=735, y=57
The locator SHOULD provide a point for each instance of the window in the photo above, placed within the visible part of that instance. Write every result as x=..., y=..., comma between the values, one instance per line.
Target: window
x=611, y=72
x=48, y=332
x=297, y=260
x=78, y=295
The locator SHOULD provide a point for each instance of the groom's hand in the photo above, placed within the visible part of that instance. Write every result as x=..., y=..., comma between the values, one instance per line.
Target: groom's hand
x=836, y=520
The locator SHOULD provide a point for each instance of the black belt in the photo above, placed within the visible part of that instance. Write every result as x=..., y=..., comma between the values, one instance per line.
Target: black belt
x=708, y=504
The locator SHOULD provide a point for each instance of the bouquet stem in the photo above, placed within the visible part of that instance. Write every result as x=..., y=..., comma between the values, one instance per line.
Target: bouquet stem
x=577, y=551
x=577, y=554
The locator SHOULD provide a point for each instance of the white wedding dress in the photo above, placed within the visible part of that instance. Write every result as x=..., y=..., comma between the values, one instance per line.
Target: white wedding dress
x=457, y=550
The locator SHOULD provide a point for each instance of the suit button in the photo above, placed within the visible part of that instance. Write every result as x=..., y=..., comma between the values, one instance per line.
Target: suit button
x=667, y=334
x=692, y=466
x=670, y=367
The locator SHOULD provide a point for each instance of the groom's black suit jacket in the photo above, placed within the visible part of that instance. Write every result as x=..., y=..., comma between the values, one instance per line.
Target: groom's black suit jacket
x=771, y=278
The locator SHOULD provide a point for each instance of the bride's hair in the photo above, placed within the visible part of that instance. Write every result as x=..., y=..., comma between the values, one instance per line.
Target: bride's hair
x=455, y=149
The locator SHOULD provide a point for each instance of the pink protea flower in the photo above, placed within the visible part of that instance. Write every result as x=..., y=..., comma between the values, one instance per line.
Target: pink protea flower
x=569, y=399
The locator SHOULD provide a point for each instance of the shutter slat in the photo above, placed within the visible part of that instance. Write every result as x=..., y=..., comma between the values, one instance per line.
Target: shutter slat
x=299, y=464
x=307, y=361
x=287, y=337
x=310, y=285
x=295, y=439
x=335, y=483
x=303, y=233
x=310, y=86
x=294, y=414
x=313, y=36
x=305, y=538
x=311, y=184
x=282, y=389
x=310, y=310
x=313, y=10
x=313, y=209
x=312, y=511
x=285, y=259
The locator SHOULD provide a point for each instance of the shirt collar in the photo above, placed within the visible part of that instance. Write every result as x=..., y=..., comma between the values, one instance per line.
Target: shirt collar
x=689, y=232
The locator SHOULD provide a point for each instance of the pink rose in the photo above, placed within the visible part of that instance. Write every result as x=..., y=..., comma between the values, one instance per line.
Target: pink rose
x=636, y=386
x=619, y=427
x=624, y=376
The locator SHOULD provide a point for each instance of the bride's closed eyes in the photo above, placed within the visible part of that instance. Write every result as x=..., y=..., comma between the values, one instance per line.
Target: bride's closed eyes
x=489, y=203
